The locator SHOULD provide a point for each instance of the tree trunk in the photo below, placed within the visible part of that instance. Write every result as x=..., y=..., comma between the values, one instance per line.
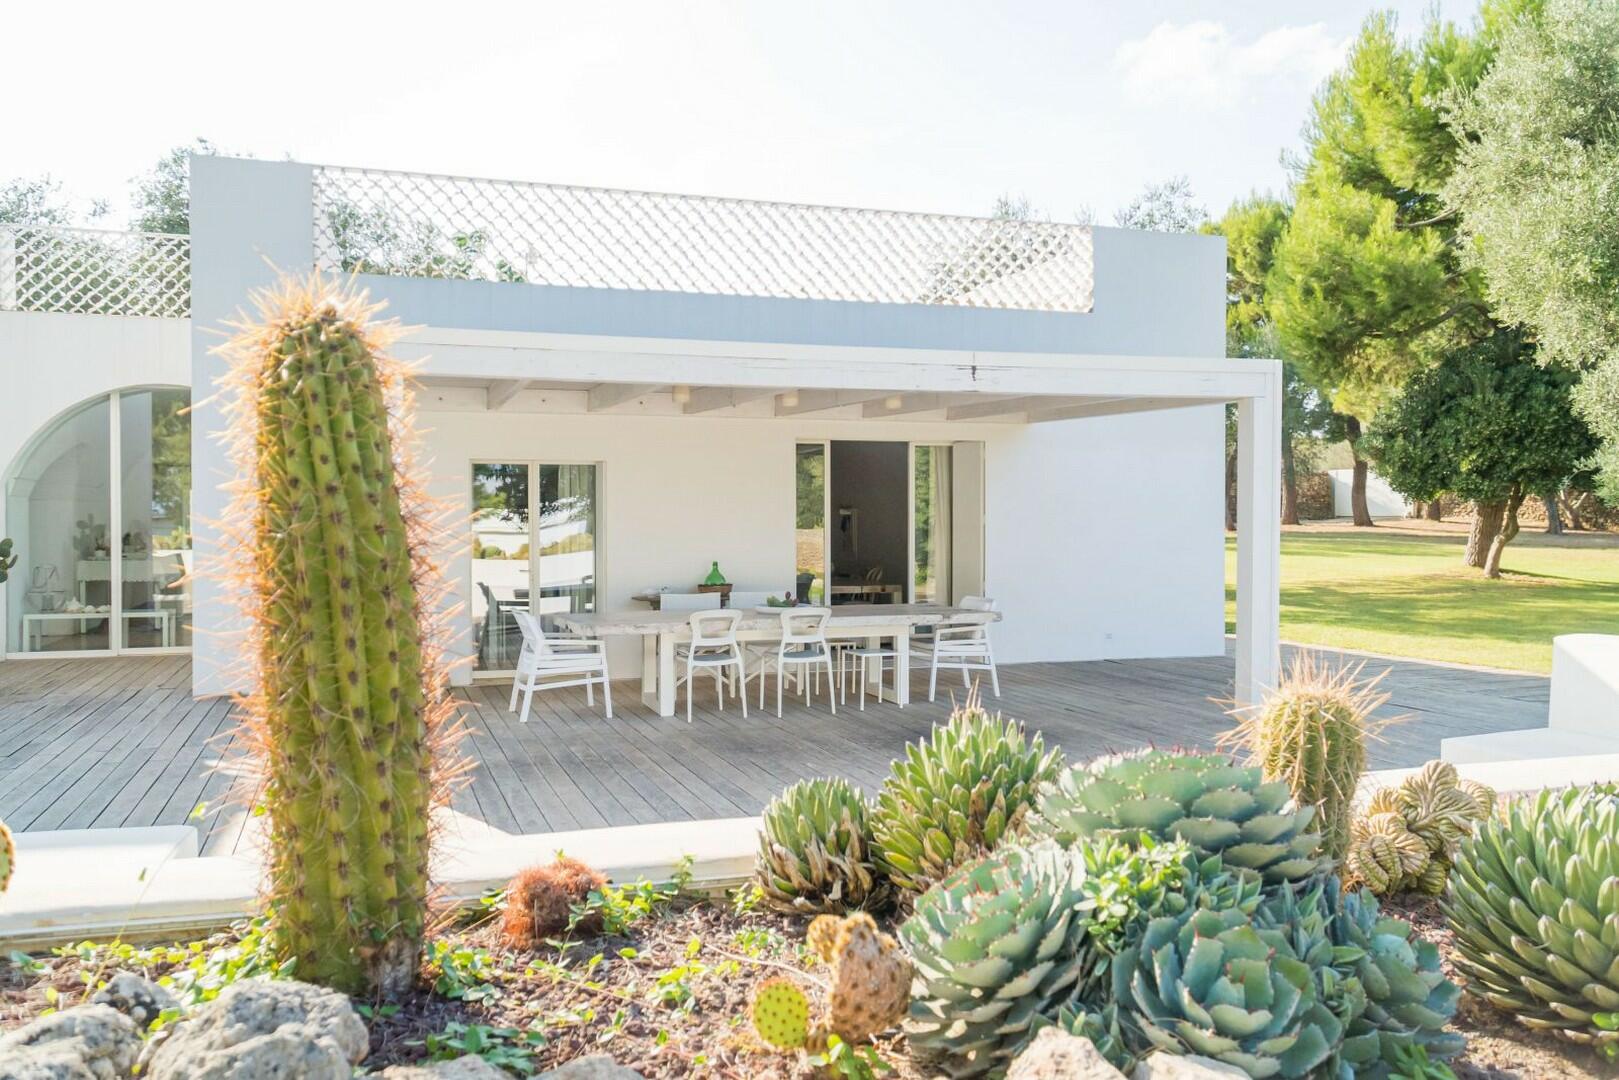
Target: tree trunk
x=1509, y=529
x=1435, y=510
x=1357, y=490
x=1571, y=503
x=1486, y=523
x=1290, y=485
x=1231, y=490
x=1554, y=520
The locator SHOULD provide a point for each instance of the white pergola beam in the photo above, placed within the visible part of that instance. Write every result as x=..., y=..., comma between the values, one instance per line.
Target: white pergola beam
x=1114, y=407
x=811, y=401
x=708, y=398
x=1259, y=541
x=501, y=391
x=919, y=403
x=1006, y=406
x=606, y=396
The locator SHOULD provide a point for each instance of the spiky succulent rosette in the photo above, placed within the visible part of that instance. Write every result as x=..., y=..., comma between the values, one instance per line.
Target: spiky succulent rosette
x=1101, y=1028
x=997, y=945
x=1253, y=988
x=815, y=853
x=1534, y=904
x=1218, y=807
x=958, y=794
x=1408, y=999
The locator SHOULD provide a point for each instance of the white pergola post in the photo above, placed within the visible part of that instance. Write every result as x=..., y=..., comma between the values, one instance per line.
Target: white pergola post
x=1259, y=540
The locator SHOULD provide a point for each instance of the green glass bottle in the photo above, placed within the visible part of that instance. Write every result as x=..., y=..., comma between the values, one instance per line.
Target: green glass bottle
x=714, y=576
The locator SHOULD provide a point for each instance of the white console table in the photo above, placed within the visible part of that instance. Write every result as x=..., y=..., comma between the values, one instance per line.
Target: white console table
x=33, y=623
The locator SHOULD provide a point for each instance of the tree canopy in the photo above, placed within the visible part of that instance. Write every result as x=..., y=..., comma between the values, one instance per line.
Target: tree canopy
x=1537, y=187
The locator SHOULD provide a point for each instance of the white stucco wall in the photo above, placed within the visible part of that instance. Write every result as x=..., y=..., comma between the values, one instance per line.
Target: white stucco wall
x=1078, y=550
x=53, y=363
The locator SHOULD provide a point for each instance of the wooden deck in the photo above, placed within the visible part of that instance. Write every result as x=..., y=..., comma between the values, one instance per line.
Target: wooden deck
x=120, y=742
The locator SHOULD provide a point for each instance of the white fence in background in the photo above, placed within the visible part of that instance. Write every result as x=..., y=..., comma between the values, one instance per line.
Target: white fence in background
x=422, y=225
x=94, y=271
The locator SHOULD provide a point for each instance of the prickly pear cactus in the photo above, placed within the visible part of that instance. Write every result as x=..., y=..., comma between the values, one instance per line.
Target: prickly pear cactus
x=336, y=580
x=8, y=857
x=823, y=935
x=871, y=980
x=781, y=1013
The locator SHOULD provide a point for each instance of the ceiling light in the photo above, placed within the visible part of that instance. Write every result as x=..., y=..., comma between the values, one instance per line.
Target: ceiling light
x=893, y=402
x=790, y=399
x=681, y=394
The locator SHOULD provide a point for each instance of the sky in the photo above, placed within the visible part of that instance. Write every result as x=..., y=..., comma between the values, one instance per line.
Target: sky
x=939, y=106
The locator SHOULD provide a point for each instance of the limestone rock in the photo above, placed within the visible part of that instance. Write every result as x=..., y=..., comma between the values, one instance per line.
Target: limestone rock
x=91, y=1042
x=595, y=1067
x=1185, y=1067
x=1056, y=1055
x=462, y=1068
x=263, y=1029
x=139, y=999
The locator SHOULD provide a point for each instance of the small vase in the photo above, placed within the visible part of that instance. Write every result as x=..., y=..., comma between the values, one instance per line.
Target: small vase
x=714, y=576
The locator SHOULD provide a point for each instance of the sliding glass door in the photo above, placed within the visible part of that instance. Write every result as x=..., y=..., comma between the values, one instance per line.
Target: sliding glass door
x=931, y=524
x=534, y=548
x=809, y=536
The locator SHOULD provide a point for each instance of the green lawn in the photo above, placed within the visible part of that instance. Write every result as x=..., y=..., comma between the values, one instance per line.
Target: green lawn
x=1410, y=596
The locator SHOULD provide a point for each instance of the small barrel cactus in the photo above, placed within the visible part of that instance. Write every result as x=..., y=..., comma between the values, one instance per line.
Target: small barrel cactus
x=8, y=857
x=1310, y=734
x=1216, y=807
x=1255, y=991
x=871, y=977
x=815, y=851
x=781, y=1013
x=957, y=795
x=1409, y=1001
x=997, y=945
x=1534, y=904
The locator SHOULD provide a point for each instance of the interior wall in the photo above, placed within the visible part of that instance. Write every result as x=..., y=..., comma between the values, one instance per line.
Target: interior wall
x=869, y=478
x=1080, y=552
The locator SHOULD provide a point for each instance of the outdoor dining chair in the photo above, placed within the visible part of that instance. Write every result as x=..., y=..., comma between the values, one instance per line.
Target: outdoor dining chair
x=803, y=648
x=714, y=648
x=551, y=662
x=688, y=601
x=961, y=645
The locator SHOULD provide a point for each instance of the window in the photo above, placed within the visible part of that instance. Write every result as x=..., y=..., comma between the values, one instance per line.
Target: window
x=100, y=511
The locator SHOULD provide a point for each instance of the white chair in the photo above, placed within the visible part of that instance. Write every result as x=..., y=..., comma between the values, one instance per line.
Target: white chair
x=963, y=646
x=551, y=663
x=714, y=648
x=688, y=601
x=865, y=658
x=747, y=601
x=804, y=649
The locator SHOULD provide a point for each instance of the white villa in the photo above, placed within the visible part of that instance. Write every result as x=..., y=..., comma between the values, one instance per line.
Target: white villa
x=622, y=389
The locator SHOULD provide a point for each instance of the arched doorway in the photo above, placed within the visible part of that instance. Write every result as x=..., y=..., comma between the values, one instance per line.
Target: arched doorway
x=99, y=509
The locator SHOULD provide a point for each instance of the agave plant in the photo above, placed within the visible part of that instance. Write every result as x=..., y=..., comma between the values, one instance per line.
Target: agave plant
x=1101, y=1027
x=998, y=945
x=1253, y=989
x=1534, y=904
x=1408, y=999
x=1217, y=807
x=957, y=795
x=815, y=853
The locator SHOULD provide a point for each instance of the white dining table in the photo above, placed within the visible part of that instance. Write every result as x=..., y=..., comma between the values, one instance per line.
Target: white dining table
x=661, y=631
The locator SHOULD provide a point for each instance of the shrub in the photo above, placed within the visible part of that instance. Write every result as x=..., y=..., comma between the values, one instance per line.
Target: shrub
x=1534, y=904
x=1310, y=734
x=1407, y=838
x=957, y=795
x=1217, y=807
x=541, y=899
x=815, y=851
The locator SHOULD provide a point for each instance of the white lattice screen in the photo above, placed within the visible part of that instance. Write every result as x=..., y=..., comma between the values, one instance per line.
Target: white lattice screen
x=94, y=271
x=420, y=225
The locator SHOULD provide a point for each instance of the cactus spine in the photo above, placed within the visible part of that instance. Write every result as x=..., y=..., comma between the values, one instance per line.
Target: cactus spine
x=349, y=705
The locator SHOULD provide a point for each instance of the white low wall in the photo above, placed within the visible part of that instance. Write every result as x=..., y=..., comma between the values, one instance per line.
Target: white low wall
x=1582, y=722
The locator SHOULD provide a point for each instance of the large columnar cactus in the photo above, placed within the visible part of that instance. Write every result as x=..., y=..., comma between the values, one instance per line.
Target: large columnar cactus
x=1409, y=1001
x=8, y=857
x=1215, y=806
x=1534, y=904
x=998, y=945
x=348, y=707
x=957, y=795
x=815, y=851
x=1407, y=838
x=1310, y=733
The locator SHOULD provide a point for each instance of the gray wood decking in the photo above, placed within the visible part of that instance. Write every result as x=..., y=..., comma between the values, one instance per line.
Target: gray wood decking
x=120, y=742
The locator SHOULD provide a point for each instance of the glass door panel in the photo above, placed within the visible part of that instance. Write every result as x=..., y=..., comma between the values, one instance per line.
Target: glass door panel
x=58, y=508
x=810, y=523
x=565, y=565
x=154, y=529
x=931, y=577
x=501, y=549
